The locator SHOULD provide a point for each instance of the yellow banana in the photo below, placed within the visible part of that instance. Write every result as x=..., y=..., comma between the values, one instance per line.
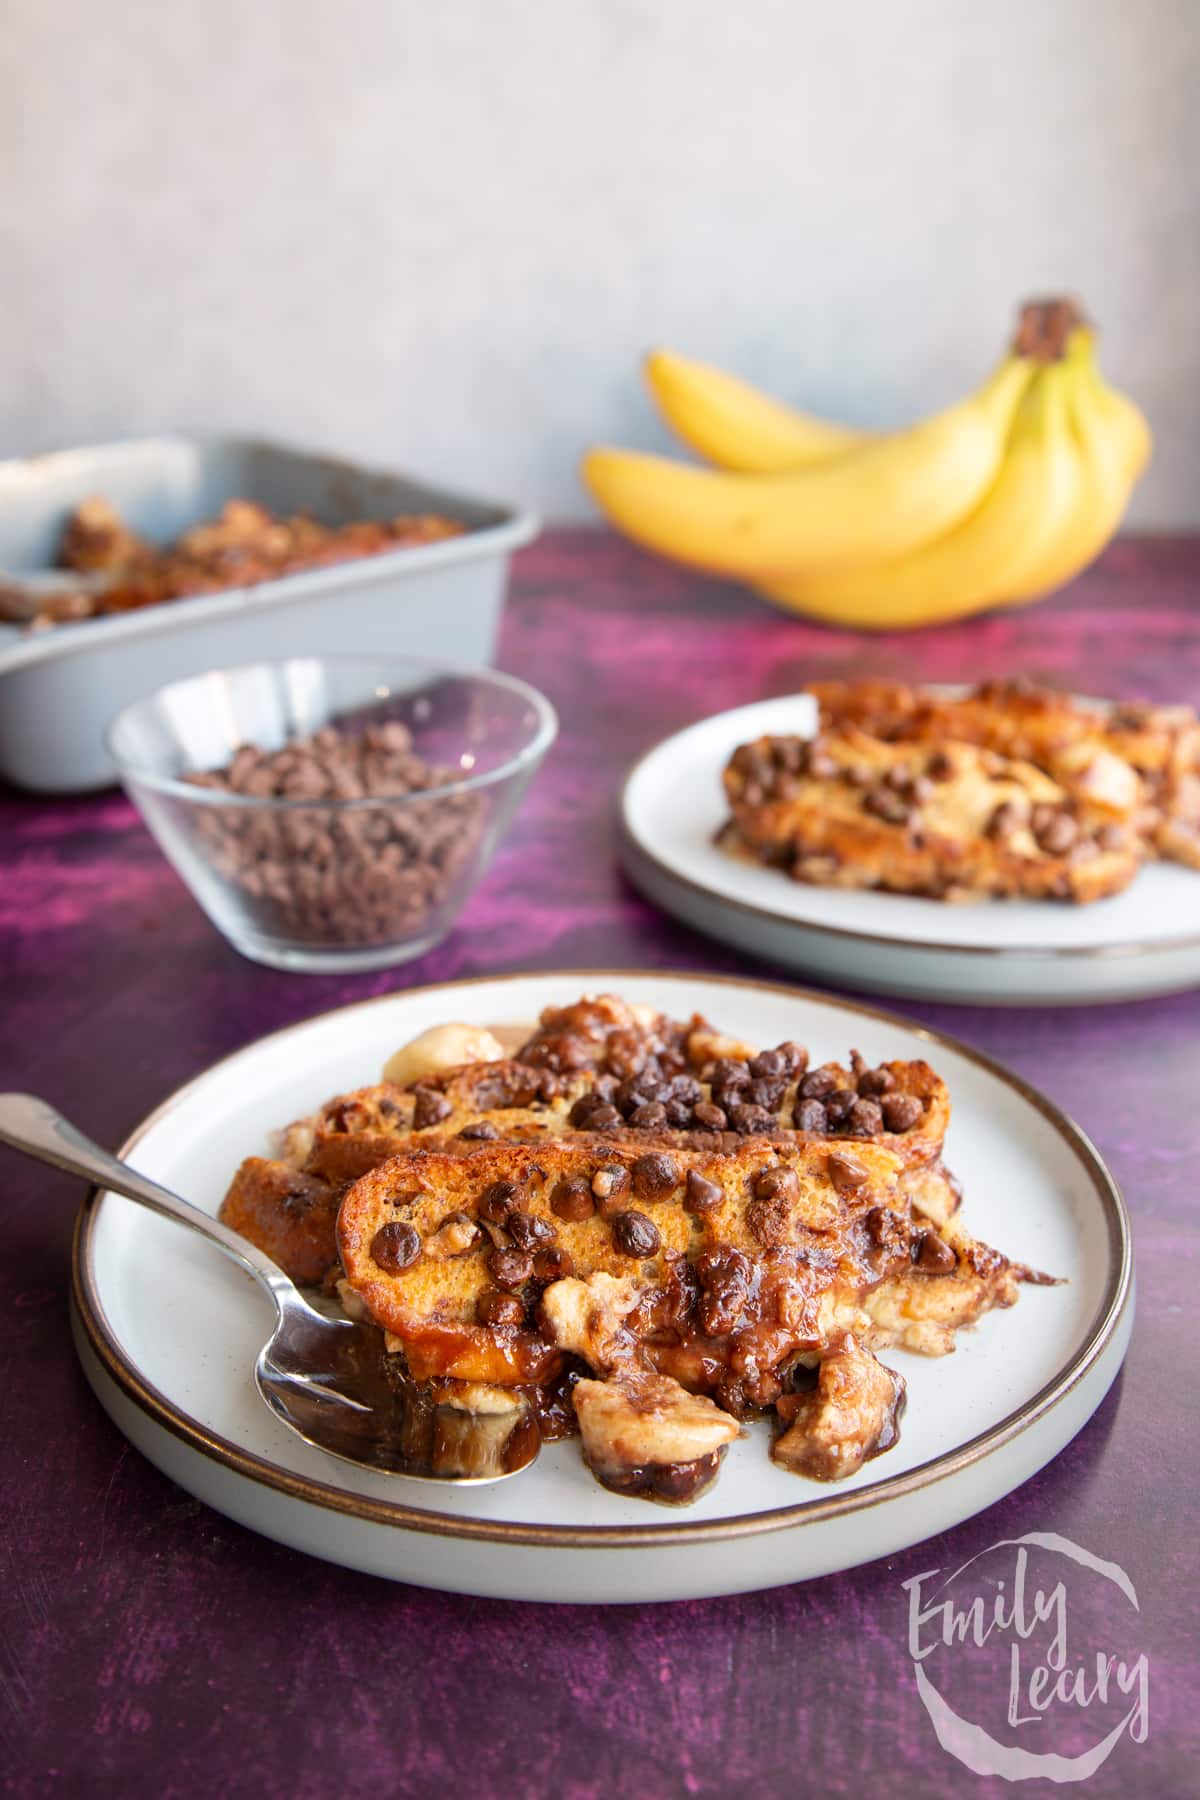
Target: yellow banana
x=874, y=503
x=1122, y=418
x=736, y=426
x=1112, y=441
x=991, y=553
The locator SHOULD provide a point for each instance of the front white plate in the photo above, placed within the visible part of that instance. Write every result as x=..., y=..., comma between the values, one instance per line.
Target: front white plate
x=168, y=1331
x=1142, y=942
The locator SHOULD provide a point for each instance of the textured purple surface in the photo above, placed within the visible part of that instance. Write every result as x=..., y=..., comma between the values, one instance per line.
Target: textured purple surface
x=149, y=1646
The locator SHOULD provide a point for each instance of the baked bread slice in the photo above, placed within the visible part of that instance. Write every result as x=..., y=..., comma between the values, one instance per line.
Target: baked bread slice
x=288, y=1205
x=947, y=820
x=724, y=1274
x=1132, y=761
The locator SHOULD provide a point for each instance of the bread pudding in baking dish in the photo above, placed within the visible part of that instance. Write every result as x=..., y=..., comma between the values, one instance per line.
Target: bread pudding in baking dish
x=640, y=1230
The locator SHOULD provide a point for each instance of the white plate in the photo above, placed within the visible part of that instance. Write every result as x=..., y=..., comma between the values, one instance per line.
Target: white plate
x=168, y=1331
x=1004, y=953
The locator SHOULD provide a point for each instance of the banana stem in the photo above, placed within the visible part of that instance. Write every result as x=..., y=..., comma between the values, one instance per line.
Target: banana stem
x=1044, y=328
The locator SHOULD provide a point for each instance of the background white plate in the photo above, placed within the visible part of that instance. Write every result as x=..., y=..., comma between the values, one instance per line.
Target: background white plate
x=1142, y=942
x=168, y=1331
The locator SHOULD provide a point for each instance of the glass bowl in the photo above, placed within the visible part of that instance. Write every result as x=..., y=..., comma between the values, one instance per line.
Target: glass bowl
x=313, y=878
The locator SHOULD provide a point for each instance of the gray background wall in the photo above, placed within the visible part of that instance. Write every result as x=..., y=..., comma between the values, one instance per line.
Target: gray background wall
x=439, y=235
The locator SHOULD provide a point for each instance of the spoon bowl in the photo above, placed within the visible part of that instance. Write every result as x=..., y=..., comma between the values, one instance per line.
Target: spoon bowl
x=326, y=1378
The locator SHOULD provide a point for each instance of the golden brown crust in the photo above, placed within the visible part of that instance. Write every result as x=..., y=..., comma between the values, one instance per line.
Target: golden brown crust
x=289, y=1214
x=949, y=821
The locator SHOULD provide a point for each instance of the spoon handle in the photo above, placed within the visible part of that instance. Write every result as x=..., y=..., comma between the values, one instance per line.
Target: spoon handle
x=33, y=1125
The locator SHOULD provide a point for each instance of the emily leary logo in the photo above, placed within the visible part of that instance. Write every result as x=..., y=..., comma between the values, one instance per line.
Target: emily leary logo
x=1035, y=1630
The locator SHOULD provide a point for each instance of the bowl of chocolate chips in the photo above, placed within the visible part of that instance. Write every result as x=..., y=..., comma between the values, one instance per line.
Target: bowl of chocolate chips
x=332, y=812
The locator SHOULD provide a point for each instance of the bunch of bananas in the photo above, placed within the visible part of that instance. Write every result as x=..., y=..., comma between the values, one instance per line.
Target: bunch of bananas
x=996, y=501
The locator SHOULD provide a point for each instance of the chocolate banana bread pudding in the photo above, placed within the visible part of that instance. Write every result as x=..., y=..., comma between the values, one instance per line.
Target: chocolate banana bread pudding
x=637, y=1229
x=1011, y=791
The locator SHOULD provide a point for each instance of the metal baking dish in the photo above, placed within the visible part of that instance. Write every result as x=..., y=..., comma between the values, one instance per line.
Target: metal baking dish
x=59, y=688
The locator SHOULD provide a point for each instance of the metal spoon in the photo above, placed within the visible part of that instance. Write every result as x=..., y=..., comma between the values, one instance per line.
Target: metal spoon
x=324, y=1378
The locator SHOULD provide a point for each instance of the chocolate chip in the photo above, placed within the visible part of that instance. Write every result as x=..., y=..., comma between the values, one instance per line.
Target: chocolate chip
x=811, y=1116
x=610, y=1185
x=593, y=1113
x=481, y=1128
x=864, y=1118
x=940, y=767
x=395, y=1247
x=430, y=1108
x=711, y=1117
x=795, y=1057
x=769, y=1062
x=766, y=1091
x=726, y=1073
x=1005, y=819
x=873, y=1082
x=886, y=804
x=932, y=1255
x=510, y=1268
x=1057, y=834
x=846, y=1172
x=687, y=1089
x=750, y=1120
x=700, y=1195
x=498, y=1201
x=777, y=1183
x=679, y=1115
x=552, y=1264
x=499, y=1309
x=635, y=1235
x=818, y=1083
x=649, y=1116
x=572, y=1200
x=900, y=1111
x=654, y=1175
x=527, y=1231
x=838, y=1103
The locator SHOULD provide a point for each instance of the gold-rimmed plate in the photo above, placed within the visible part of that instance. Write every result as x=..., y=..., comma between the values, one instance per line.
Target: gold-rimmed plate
x=1143, y=942
x=168, y=1331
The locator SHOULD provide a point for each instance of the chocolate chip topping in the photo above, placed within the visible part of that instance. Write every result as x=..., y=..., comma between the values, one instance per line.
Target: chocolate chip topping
x=932, y=1255
x=528, y=1231
x=572, y=1200
x=1055, y=831
x=818, y=1083
x=654, y=1175
x=811, y=1116
x=700, y=1195
x=610, y=1186
x=635, y=1235
x=886, y=804
x=710, y=1117
x=482, y=1128
x=395, y=1247
x=900, y=1111
x=777, y=1183
x=864, y=1119
x=510, y=1268
x=494, y=1308
x=846, y=1173
x=430, y=1108
x=498, y=1201
x=552, y=1264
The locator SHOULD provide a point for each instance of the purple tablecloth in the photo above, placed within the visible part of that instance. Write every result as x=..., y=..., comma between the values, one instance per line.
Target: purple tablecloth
x=152, y=1647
